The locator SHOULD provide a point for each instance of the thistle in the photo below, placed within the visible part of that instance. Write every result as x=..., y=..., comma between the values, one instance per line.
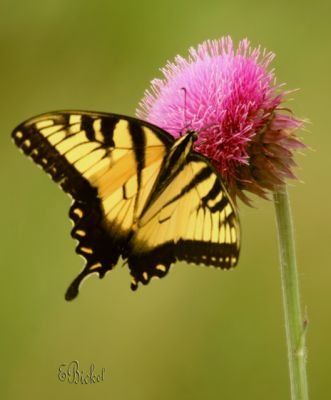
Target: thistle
x=230, y=97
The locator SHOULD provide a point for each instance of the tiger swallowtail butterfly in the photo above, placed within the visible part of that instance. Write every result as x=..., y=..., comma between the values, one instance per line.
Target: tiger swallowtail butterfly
x=137, y=193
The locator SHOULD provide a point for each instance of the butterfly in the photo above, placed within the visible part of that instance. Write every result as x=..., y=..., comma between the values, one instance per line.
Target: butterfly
x=137, y=193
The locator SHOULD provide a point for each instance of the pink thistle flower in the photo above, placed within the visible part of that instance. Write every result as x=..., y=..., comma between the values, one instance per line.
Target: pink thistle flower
x=230, y=98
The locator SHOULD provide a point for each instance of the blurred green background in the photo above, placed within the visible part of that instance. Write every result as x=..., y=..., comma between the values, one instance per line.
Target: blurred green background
x=199, y=333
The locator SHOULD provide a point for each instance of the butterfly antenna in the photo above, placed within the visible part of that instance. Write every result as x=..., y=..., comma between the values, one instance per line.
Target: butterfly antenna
x=186, y=124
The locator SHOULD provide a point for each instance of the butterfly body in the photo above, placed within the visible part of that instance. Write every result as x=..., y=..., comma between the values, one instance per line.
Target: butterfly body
x=137, y=192
x=173, y=163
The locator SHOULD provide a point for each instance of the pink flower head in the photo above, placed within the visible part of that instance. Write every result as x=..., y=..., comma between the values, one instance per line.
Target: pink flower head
x=230, y=98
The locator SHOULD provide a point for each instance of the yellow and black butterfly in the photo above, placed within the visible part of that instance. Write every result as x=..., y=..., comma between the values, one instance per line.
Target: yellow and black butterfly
x=138, y=193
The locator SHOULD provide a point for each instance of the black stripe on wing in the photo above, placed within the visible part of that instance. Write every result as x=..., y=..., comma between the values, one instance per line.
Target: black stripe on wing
x=200, y=177
x=139, y=142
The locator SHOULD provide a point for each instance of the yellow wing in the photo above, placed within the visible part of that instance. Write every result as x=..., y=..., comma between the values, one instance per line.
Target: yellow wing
x=109, y=164
x=192, y=219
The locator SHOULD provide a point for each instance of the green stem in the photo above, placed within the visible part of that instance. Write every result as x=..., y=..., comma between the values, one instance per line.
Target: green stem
x=294, y=324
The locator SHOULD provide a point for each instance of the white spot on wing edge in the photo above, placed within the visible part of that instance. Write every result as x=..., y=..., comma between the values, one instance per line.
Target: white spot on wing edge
x=78, y=212
x=95, y=266
x=18, y=134
x=161, y=267
x=86, y=250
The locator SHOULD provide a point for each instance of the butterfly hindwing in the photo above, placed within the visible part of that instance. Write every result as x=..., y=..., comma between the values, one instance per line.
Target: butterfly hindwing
x=108, y=164
x=192, y=219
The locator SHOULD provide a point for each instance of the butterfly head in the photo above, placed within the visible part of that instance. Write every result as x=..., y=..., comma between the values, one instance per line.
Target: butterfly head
x=192, y=134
